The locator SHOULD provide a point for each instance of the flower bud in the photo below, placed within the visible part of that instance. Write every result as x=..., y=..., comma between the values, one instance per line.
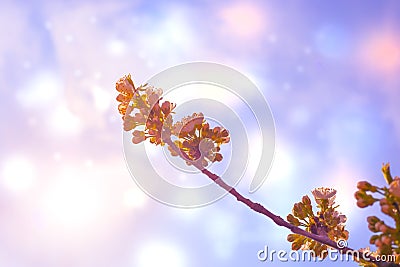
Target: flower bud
x=386, y=229
x=372, y=219
x=293, y=220
x=342, y=218
x=383, y=228
x=296, y=245
x=291, y=237
x=366, y=186
x=138, y=136
x=371, y=227
x=394, y=188
x=378, y=225
x=359, y=194
x=386, y=173
x=386, y=209
x=362, y=204
x=364, y=200
x=306, y=200
x=298, y=210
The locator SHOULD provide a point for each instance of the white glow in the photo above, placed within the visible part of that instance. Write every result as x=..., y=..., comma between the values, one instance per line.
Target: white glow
x=175, y=29
x=69, y=38
x=158, y=254
x=18, y=174
x=72, y=201
x=171, y=37
x=250, y=25
x=63, y=121
x=210, y=91
x=102, y=98
x=116, y=47
x=89, y=163
x=78, y=73
x=134, y=198
x=344, y=179
x=40, y=90
x=282, y=167
x=57, y=156
x=97, y=75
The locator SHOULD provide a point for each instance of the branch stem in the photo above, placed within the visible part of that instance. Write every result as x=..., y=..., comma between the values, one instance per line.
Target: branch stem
x=257, y=207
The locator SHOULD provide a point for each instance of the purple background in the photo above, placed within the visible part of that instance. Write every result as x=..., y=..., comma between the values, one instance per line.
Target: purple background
x=330, y=71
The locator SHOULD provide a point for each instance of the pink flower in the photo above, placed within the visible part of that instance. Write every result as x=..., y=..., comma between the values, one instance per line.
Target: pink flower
x=138, y=136
x=394, y=188
x=323, y=193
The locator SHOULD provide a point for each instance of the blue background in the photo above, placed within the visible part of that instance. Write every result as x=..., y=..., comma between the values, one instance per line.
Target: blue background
x=329, y=70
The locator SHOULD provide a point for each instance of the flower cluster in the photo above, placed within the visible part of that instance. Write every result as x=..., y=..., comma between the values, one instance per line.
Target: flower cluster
x=386, y=238
x=143, y=112
x=326, y=222
x=197, y=141
x=126, y=90
x=141, y=107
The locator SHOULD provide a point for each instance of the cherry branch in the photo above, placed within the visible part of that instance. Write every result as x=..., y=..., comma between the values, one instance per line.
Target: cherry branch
x=257, y=207
x=157, y=121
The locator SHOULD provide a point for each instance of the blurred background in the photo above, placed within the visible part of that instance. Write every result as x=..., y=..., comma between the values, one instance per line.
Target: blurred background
x=329, y=70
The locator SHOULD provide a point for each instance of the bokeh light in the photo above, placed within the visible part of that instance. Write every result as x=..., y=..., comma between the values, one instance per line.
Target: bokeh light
x=71, y=201
x=243, y=20
x=381, y=52
x=329, y=71
x=18, y=174
x=158, y=253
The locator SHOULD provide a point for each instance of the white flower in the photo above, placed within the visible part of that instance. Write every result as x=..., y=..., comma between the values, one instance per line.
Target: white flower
x=324, y=193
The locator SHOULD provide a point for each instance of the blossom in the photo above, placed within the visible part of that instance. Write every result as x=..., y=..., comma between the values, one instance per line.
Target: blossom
x=131, y=122
x=342, y=218
x=153, y=95
x=386, y=207
x=149, y=118
x=141, y=108
x=394, y=188
x=158, y=119
x=208, y=149
x=323, y=193
x=197, y=141
x=326, y=222
x=188, y=125
x=126, y=88
x=138, y=136
x=364, y=199
x=366, y=186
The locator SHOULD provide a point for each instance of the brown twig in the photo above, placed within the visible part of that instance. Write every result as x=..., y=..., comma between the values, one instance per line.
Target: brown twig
x=257, y=207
